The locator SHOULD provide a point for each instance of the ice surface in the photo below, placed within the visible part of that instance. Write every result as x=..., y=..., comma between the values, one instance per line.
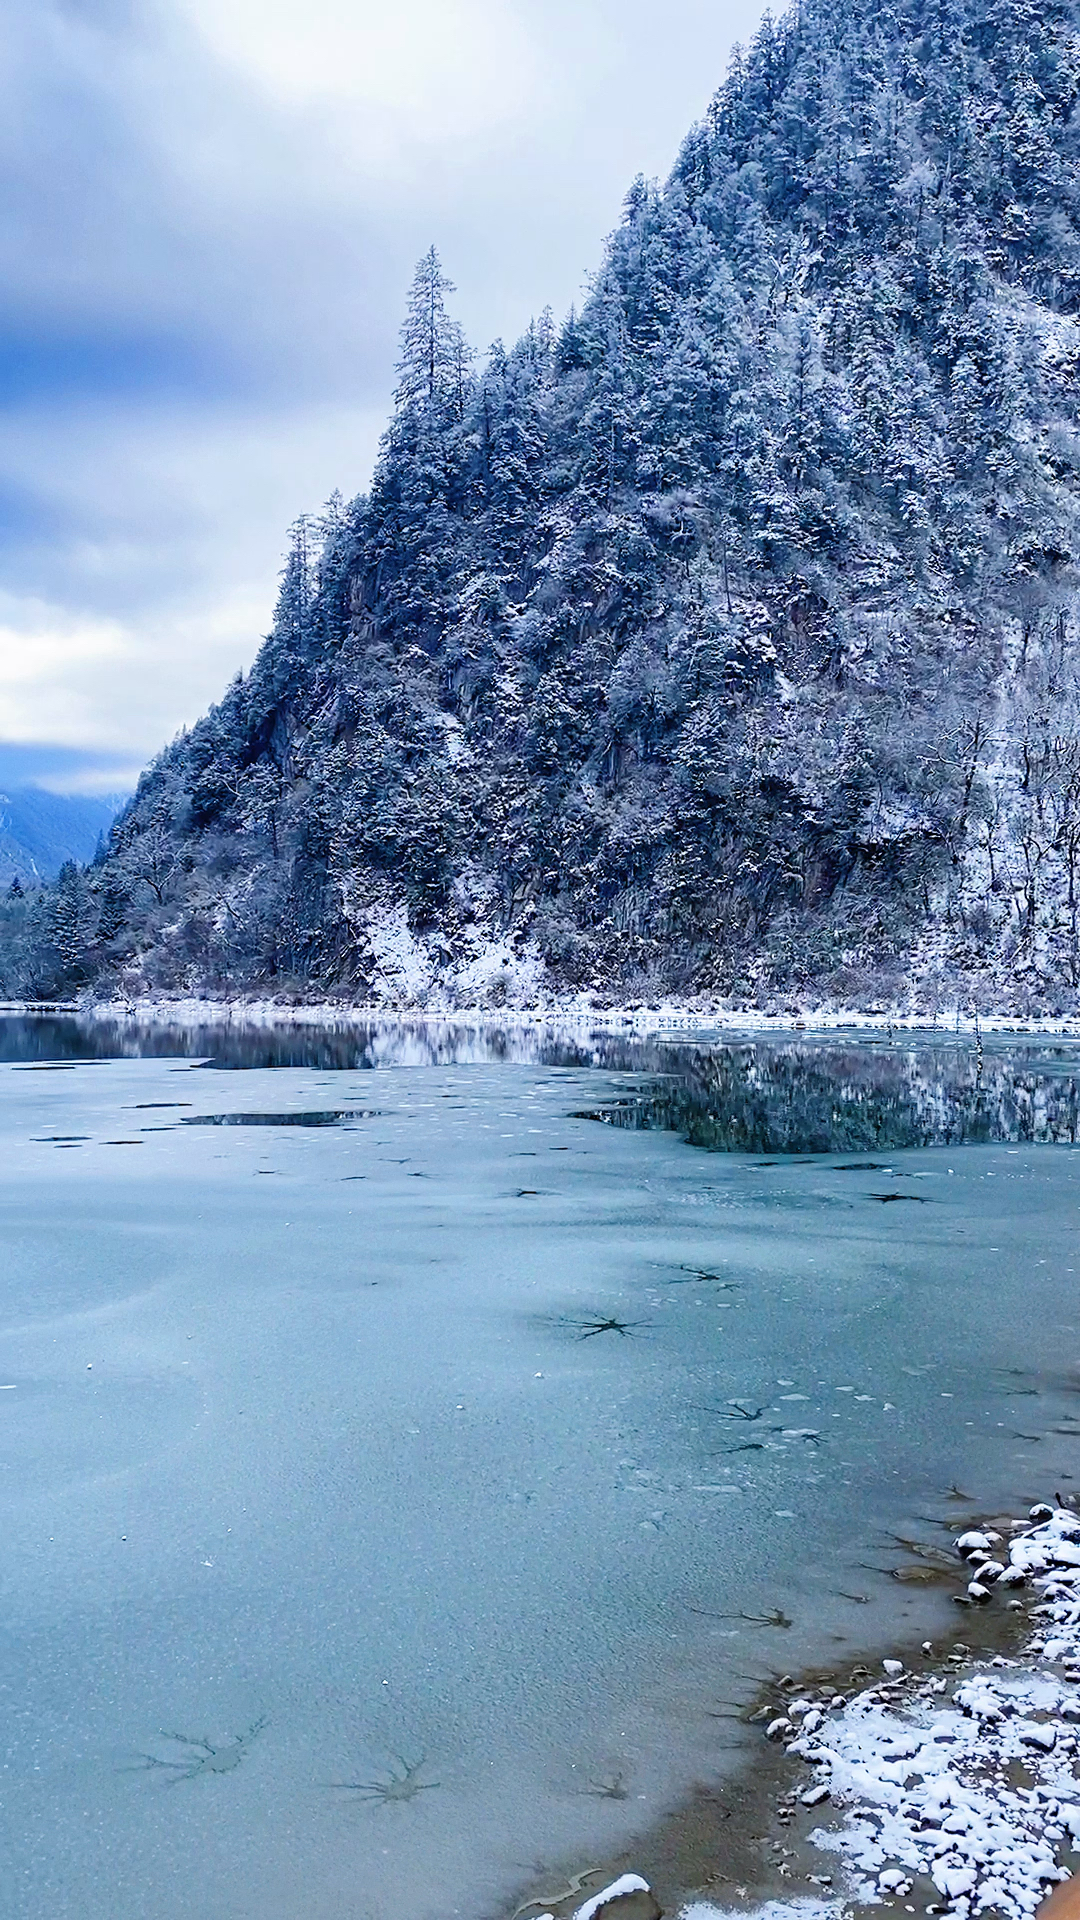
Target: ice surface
x=313, y=1425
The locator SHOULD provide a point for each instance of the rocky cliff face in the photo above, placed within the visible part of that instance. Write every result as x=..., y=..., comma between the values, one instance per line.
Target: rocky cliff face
x=723, y=640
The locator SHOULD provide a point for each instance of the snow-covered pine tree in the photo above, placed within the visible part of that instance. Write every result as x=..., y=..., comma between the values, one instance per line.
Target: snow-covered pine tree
x=433, y=368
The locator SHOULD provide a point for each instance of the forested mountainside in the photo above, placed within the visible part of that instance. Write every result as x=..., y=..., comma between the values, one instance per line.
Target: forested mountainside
x=723, y=639
x=40, y=830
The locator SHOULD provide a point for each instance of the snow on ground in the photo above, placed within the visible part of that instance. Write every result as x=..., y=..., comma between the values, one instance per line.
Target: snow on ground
x=619, y=1890
x=574, y=1012
x=972, y=1785
x=771, y=1910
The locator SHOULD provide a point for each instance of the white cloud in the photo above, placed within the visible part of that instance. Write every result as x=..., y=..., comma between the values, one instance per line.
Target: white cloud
x=170, y=669
x=184, y=541
x=39, y=642
x=212, y=215
x=155, y=501
x=417, y=71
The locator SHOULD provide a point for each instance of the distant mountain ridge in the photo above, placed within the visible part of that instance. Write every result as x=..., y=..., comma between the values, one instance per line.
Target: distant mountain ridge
x=721, y=641
x=40, y=830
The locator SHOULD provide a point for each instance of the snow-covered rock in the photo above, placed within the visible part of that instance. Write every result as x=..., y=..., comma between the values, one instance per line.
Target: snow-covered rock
x=971, y=1543
x=976, y=1792
x=628, y=1898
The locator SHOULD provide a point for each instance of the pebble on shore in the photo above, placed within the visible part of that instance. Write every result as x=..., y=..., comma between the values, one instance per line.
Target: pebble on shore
x=971, y=1786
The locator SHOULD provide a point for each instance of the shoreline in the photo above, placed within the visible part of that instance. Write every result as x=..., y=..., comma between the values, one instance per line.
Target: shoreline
x=577, y=1014
x=936, y=1781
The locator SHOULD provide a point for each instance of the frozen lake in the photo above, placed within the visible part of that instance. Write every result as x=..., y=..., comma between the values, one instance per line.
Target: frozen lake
x=429, y=1439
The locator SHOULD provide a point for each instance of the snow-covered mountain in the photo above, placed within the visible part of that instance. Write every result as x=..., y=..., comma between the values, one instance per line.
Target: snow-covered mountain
x=721, y=639
x=40, y=830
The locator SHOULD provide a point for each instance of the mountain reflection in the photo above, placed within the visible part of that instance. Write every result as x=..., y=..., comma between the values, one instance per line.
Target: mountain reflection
x=766, y=1094
x=806, y=1097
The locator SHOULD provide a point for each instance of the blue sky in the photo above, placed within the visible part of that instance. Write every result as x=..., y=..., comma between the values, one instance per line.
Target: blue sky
x=210, y=217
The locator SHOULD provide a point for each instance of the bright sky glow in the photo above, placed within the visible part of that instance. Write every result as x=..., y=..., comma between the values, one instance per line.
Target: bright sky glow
x=413, y=72
x=211, y=214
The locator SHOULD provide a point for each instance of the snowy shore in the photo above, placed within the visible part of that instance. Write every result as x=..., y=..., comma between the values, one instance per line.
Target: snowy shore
x=955, y=1790
x=973, y=1786
x=577, y=1014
